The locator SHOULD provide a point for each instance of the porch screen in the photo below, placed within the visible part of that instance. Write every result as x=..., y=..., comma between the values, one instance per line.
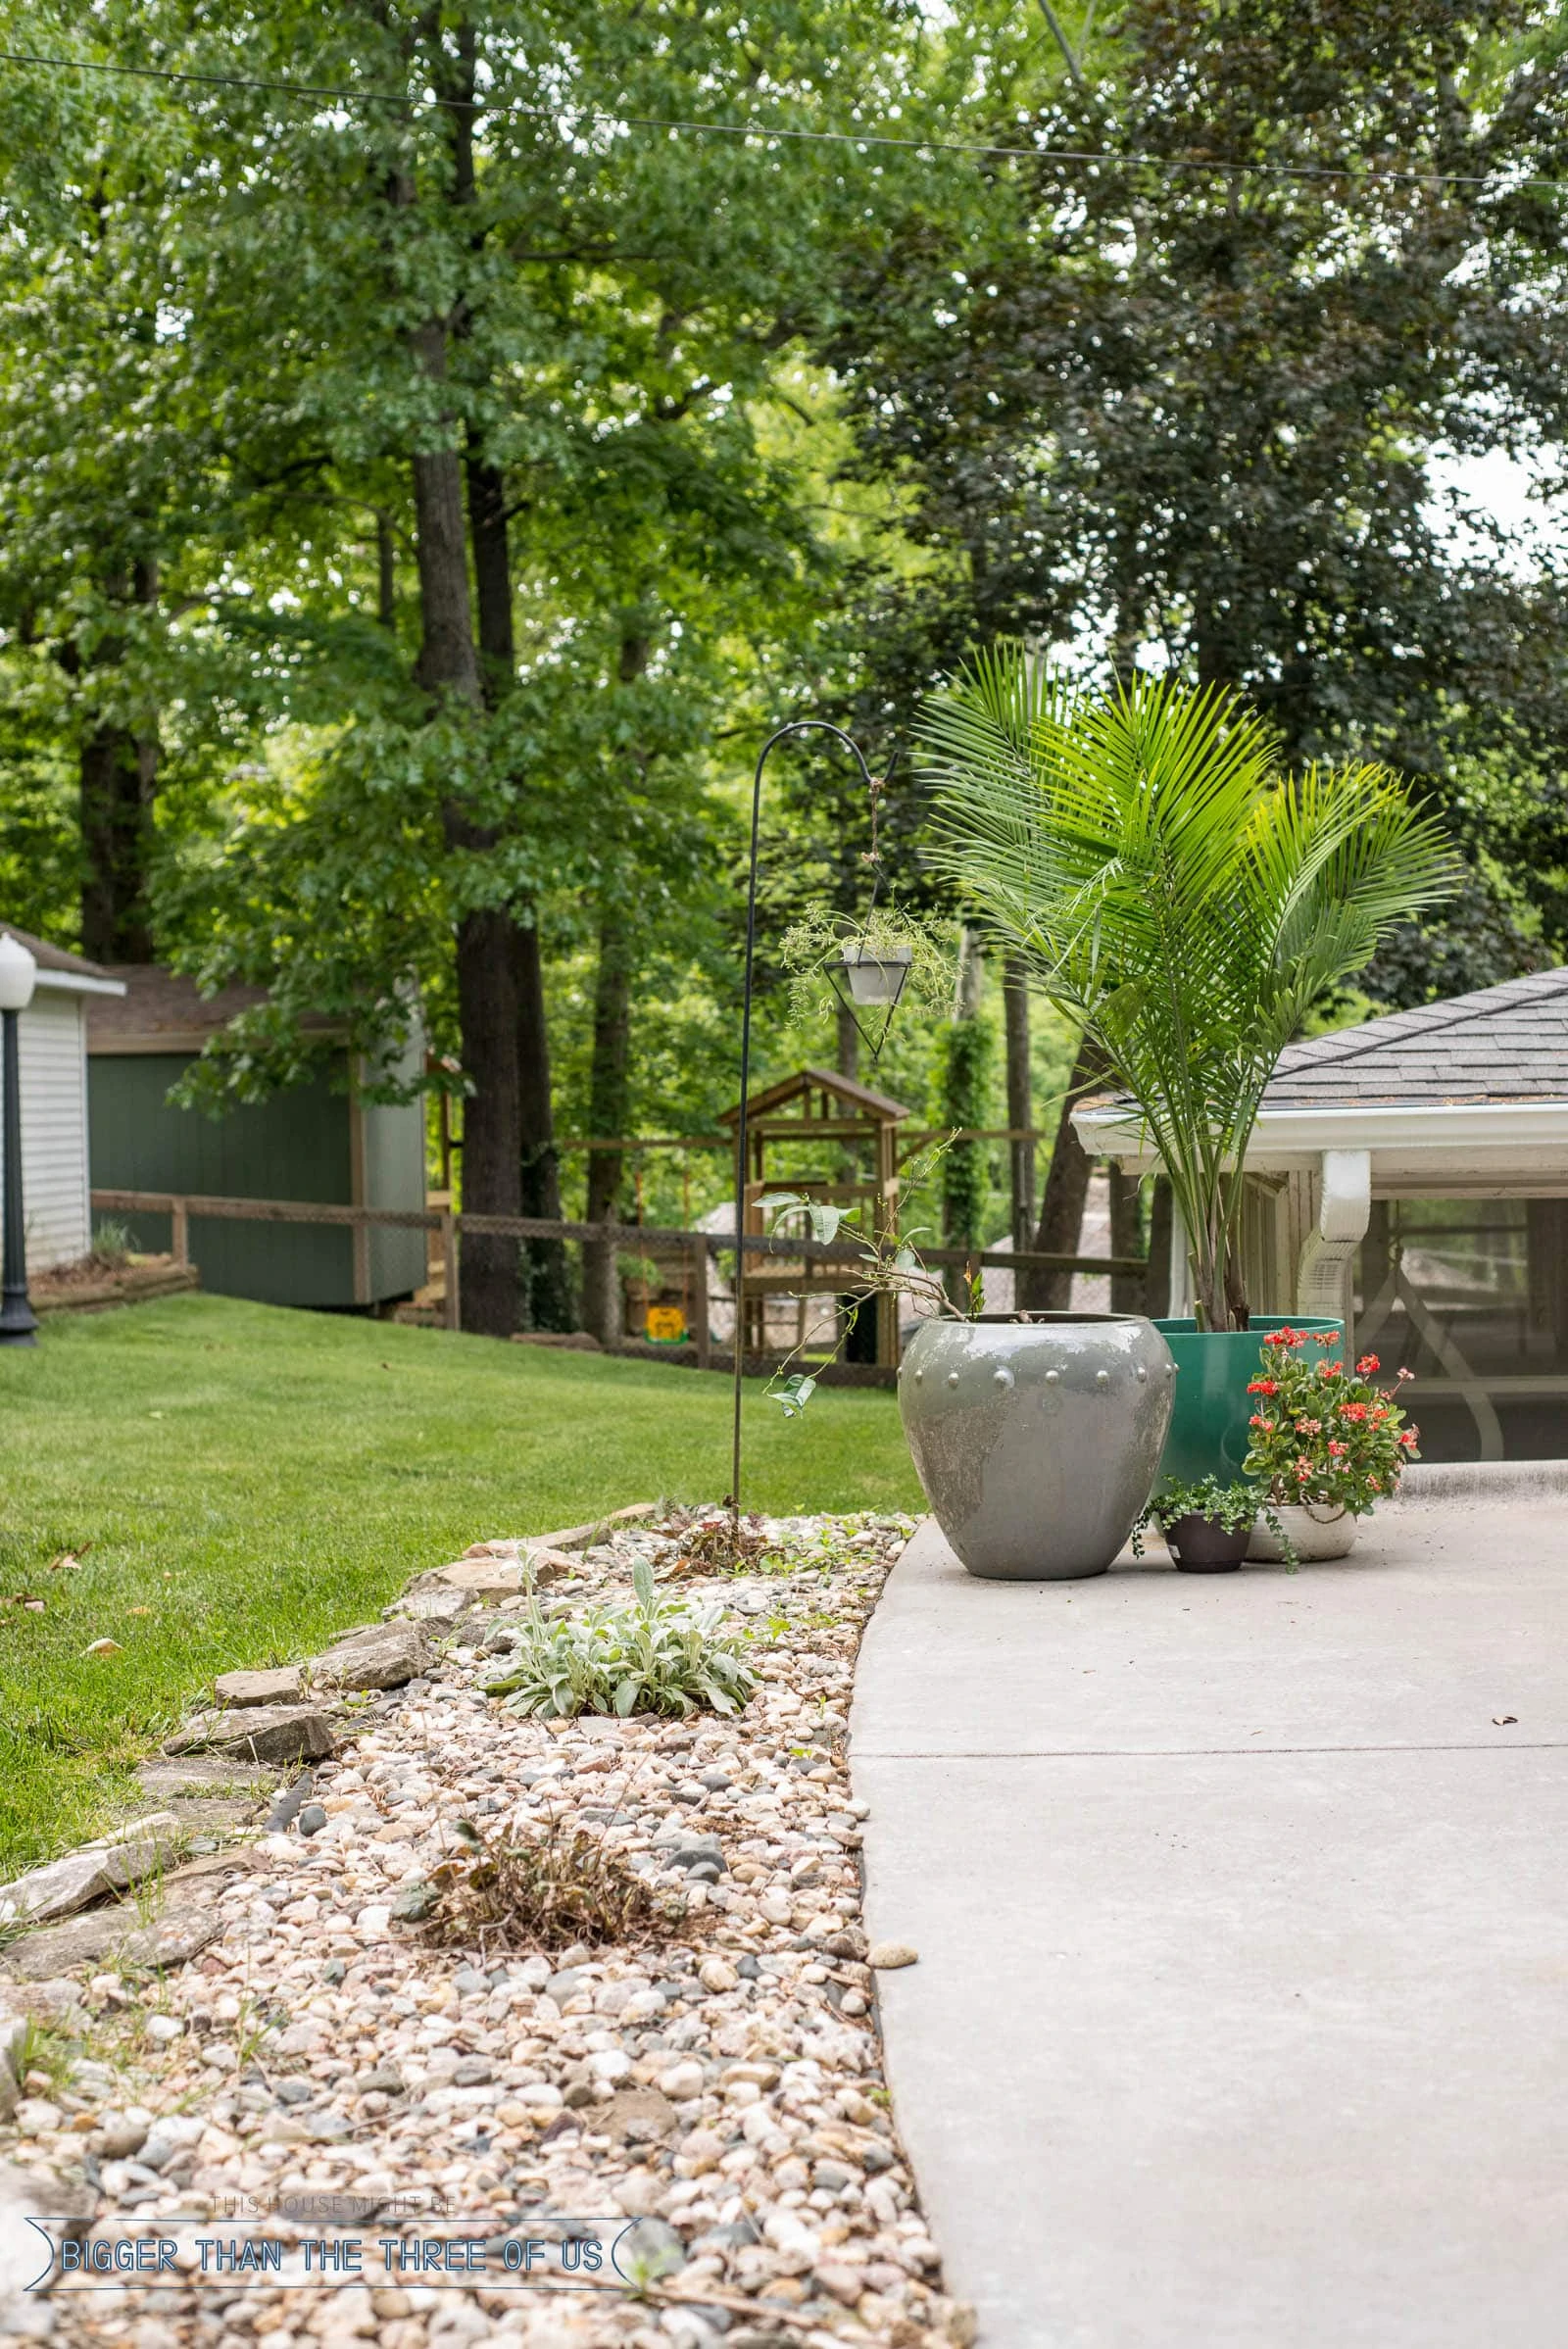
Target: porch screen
x=1472, y=1294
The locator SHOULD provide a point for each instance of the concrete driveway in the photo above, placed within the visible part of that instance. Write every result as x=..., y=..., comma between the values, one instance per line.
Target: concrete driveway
x=1240, y=2019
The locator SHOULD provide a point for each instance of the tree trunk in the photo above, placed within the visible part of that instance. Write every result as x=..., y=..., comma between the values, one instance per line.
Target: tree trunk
x=387, y=571
x=118, y=775
x=847, y=1055
x=487, y=1017
x=607, y=1113
x=118, y=782
x=966, y=1089
x=547, y=1301
x=546, y=1271
x=1156, y=1281
x=1126, y=1240
x=1061, y=1209
x=1020, y=1095
x=448, y=667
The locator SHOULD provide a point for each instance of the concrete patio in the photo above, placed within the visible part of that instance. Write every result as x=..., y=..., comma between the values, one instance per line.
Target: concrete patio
x=1240, y=2019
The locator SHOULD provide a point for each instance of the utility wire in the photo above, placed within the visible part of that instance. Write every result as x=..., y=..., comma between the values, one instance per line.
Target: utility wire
x=1213, y=167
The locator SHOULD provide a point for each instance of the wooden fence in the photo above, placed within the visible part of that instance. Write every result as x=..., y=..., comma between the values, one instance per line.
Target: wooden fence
x=698, y=1246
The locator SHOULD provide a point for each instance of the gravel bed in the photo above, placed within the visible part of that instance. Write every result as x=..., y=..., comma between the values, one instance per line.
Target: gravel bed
x=722, y=2088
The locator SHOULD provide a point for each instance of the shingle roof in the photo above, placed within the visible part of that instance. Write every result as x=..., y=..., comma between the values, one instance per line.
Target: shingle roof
x=1501, y=1043
x=163, y=1010
x=54, y=957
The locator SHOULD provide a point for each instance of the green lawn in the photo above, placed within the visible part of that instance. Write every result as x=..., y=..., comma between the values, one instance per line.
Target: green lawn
x=252, y=1481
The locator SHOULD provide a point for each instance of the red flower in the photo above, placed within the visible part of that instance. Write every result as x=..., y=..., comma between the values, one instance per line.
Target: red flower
x=1303, y=1469
x=1408, y=1434
x=1367, y=1364
x=1329, y=1370
x=1337, y=1451
x=1405, y=1374
x=1285, y=1337
x=1355, y=1411
x=1263, y=1387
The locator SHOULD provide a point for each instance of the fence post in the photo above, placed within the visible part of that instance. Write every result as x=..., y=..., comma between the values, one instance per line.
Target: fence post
x=700, y=1302
x=179, y=1232
x=449, y=1266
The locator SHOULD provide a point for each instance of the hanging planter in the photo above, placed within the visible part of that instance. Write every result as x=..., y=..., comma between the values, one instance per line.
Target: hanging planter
x=874, y=977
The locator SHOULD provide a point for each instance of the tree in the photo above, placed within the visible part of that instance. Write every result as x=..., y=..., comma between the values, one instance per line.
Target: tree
x=1176, y=894
x=1180, y=407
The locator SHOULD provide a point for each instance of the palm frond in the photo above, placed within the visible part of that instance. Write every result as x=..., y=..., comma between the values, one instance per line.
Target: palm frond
x=1169, y=888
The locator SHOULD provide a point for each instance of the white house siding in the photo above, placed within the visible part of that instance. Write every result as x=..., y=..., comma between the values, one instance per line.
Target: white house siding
x=52, y=1048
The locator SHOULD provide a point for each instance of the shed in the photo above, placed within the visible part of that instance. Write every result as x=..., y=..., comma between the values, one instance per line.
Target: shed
x=52, y=1058
x=831, y=1139
x=317, y=1141
x=1412, y=1174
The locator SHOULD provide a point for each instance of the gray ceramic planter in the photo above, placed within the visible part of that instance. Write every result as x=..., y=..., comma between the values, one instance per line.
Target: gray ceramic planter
x=1037, y=1439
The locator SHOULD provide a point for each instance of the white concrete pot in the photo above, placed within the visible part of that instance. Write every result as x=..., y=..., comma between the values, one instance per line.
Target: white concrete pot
x=1314, y=1534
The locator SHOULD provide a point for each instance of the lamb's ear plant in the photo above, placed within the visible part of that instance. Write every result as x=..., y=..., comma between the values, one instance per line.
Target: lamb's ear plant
x=1174, y=893
x=659, y=1655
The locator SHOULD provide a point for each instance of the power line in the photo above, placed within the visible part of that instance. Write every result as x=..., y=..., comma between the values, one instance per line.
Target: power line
x=1209, y=167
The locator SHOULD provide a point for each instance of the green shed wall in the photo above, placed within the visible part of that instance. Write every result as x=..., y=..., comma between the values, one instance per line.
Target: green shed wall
x=295, y=1145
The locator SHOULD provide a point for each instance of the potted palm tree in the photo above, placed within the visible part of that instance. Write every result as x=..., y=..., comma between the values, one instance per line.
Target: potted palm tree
x=1184, y=902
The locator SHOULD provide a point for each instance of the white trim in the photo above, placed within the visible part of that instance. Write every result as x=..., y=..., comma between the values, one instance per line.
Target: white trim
x=77, y=982
x=1344, y=1209
x=1452, y=1129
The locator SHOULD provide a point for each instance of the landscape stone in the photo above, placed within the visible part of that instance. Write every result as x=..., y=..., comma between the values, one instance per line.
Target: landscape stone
x=635, y=2114
x=258, y=1732
x=115, y=1931
x=312, y=1818
x=648, y=2250
x=484, y=1578
x=386, y=1655
x=429, y=1599
x=285, y=1684
x=200, y=1780
x=886, y=1956
x=27, y=2194
x=67, y=1885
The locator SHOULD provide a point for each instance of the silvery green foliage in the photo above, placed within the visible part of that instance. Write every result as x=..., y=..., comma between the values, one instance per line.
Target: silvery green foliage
x=659, y=1655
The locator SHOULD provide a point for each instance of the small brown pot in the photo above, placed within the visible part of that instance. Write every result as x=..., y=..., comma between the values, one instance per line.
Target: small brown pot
x=1202, y=1545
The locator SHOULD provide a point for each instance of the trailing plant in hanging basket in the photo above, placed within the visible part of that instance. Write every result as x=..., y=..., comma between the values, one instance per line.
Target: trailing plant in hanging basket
x=823, y=953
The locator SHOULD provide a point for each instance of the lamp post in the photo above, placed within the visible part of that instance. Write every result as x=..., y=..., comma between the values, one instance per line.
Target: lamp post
x=18, y=971
x=870, y=981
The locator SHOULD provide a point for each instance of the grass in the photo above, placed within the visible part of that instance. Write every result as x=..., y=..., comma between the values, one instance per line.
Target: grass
x=253, y=1481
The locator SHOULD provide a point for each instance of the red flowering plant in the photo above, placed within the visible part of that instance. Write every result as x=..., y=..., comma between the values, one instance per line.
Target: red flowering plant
x=1322, y=1435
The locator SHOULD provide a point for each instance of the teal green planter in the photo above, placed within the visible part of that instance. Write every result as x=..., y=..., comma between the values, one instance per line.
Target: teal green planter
x=1208, y=1428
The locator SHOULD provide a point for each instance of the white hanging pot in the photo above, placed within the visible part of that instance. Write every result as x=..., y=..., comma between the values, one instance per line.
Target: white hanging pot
x=874, y=979
x=1314, y=1534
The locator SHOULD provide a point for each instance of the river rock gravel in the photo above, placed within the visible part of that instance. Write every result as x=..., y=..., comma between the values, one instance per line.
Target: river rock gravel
x=322, y=2070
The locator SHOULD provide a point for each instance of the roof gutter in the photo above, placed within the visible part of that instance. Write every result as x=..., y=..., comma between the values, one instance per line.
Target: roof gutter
x=1111, y=1130
x=77, y=982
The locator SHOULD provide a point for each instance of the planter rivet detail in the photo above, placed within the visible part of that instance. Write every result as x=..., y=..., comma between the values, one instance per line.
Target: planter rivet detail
x=952, y=1378
x=1002, y=1377
x=1102, y=1378
x=1142, y=1373
x=1052, y=1376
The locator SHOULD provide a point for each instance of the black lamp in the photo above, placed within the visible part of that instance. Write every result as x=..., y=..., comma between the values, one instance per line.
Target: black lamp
x=18, y=974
